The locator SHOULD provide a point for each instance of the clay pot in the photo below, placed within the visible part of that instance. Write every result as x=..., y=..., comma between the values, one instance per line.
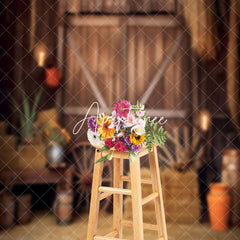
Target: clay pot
x=23, y=212
x=219, y=203
x=63, y=207
x=53, y=77
x=231, y=176
x=7, y=209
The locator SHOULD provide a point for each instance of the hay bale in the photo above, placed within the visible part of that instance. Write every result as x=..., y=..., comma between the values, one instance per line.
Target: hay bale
x=47, y=116
x=8, y=152
x=32, y=156
x=180, y=196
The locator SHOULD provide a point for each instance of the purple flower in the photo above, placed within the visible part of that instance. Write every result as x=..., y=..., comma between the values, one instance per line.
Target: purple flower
x=126, y=148
x=127, y=140
x=136, y=148
x=92, y=124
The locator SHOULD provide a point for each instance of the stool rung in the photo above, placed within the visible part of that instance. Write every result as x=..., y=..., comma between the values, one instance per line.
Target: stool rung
x=112, y=234
x=149, y=198
x=143, y=180
x=115, y=190
x=104, y=195
x=148, y=226
x=106, y=238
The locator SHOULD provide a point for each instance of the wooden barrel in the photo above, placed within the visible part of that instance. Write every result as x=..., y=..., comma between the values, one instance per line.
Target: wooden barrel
x=7, y=209
x=63, y=207
x=231, y=176
x=23, y=205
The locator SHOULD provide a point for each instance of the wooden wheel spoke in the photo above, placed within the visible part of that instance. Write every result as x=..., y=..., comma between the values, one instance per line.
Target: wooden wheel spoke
x=85, y=159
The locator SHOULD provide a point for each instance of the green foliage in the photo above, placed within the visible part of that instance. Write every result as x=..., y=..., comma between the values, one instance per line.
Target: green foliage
x=106, y=157
x=154, y=135
x=26, y=114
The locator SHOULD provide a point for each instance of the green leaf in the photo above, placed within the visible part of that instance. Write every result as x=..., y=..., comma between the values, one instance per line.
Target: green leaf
x=35, y=104
x=104, y=148
x=106, y=157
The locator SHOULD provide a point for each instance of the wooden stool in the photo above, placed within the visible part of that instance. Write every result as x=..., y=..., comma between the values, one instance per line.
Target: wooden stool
x=99, y=193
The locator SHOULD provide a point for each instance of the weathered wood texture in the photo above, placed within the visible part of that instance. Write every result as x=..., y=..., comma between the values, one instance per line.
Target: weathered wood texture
x=121, y=6
x=109, y=46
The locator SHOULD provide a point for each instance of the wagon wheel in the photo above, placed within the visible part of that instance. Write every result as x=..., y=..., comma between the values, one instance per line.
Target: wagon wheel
x=82, y=155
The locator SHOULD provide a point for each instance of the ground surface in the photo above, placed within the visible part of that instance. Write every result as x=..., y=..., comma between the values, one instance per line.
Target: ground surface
x=44, y=227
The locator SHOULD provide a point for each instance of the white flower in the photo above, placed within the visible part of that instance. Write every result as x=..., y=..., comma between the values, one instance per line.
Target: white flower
x=140, y=122
x=94, y=138
x=138, y=129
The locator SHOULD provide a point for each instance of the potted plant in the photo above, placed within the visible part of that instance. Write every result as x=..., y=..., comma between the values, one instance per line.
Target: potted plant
x=27, y=115
x=31, y=154
x=57, y=138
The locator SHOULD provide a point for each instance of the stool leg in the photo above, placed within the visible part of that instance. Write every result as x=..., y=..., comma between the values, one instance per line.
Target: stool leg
x=94, y=207
x=136, y=199
x=156, y=183
x=117, y=198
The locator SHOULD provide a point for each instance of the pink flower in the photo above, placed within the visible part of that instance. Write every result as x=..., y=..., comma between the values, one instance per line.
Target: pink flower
x=140, y=122
x=140, y=113
x=130, y=121
x=122, y=108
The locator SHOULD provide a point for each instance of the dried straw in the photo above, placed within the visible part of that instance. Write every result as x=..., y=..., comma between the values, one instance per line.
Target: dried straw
x=200, y=19
x=233, y=93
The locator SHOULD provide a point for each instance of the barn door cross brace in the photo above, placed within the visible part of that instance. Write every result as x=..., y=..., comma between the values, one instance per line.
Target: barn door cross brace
x=159, y=74
x=87, y=74
x=162, y=69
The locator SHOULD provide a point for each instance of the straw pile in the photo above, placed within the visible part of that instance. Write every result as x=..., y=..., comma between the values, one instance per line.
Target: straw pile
x=200, y=19
x=233, y=93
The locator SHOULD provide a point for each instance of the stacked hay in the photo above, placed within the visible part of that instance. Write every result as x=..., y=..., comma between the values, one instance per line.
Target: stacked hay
x=148, y=209
x=200, y=19
x=180, y=195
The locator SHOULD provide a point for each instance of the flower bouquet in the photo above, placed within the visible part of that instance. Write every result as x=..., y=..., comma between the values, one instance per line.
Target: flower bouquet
x=55, y=134
x=126, y=130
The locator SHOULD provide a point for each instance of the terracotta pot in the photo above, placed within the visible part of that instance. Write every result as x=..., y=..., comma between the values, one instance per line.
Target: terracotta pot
x=219, y=203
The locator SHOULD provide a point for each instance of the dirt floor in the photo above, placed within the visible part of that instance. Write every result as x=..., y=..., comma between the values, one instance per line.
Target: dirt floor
x=44, y=227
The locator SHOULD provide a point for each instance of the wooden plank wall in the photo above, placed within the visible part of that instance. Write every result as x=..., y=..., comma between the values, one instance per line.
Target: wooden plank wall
x=100, y=46
x=121, y=6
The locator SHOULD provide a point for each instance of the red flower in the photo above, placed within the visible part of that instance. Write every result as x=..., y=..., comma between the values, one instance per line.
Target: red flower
x=120, y=147
x=109, y=143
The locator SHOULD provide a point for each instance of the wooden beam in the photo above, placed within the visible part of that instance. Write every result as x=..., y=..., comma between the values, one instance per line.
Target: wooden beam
x=108, y=21
x=167, y=113
x=87, y=73
x=164, y=66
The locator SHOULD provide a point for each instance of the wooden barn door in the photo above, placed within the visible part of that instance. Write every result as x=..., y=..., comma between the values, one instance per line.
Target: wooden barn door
x=109, y=58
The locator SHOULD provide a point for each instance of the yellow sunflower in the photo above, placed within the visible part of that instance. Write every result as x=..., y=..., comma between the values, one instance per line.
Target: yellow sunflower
x=104, y=129
x=137, y=139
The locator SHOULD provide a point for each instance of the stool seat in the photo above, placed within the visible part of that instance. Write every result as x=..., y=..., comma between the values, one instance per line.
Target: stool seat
x=100, y=192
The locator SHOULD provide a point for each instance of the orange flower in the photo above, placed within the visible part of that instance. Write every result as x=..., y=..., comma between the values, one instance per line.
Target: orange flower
x=104, y=129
